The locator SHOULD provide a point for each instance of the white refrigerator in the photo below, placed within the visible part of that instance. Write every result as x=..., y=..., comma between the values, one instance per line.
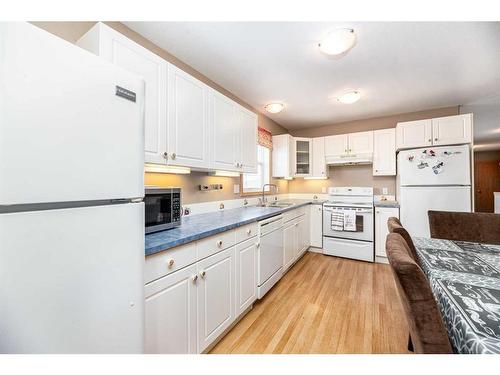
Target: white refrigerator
x=71, y=188
x=433, y=178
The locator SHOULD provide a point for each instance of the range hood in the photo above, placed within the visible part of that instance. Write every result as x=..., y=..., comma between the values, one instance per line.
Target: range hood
x=350, y=159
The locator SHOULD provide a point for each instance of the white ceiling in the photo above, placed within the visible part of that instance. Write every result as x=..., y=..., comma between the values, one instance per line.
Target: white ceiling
x=398, y=67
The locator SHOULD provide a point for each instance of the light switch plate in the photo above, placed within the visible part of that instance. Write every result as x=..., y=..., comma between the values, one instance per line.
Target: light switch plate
x=385, y=191
x=236, y=189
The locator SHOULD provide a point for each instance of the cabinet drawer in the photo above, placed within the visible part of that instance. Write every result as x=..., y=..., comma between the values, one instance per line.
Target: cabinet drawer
x=245, y=232
x=290, y=215
x=214, y=244
x=171, y=260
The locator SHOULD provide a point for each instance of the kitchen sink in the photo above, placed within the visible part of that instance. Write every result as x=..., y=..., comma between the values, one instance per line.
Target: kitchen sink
x=279, y=204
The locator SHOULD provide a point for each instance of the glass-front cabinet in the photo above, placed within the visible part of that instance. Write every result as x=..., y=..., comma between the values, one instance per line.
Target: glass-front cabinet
x=303, y=157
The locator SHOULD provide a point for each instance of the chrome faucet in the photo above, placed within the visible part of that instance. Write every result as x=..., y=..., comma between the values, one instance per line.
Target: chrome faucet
x=264, y=200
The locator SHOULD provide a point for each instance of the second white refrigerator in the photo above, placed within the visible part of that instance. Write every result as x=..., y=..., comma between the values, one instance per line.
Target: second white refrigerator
x=434, y=178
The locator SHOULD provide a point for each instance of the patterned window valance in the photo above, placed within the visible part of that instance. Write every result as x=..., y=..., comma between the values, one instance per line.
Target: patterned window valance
x=265, y=138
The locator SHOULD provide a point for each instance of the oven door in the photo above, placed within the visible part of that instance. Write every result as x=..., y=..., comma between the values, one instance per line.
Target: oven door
x=158, y=211
x=364, y=223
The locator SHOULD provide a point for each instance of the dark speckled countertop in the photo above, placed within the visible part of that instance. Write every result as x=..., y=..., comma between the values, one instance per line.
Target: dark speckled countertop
x=204, y=225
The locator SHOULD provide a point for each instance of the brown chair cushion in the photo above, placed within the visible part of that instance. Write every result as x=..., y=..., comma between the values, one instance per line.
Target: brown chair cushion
x=465, y=226
x=394, y=226
x=426, y=326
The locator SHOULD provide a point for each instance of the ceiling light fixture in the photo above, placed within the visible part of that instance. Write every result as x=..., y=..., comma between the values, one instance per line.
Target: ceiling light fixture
x=274, y=107
x=338, y=42
x=349, y=97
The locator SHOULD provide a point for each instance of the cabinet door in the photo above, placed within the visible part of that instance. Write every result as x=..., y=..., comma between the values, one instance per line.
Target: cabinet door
x=452, y=130
x=361, y=143
x=289, y=244
x=413, y=134
x=188, y=120
x=384, y=152
x=382, y=214
x=319, y=168
x=336, y=145
x=303, y=234
x=316, y=228
x=170, y=313
x=225, y=133
x=129, y=55
x=303, y=157
x=246, y=275
x=216, y=294
x=248, y=140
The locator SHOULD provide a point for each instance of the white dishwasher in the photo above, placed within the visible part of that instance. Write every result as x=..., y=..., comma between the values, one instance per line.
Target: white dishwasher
x=270, y=254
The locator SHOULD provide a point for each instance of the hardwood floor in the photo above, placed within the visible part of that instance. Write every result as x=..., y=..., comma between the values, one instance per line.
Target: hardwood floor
x=324, y=305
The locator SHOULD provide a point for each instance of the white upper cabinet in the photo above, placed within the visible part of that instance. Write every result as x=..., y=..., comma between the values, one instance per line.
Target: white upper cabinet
x=353, y=143
x=336, y=145
x=452, y=130
x=115, y=47
x=248, y=139
x=283, y=156
x=303, y=157
x=361, y=143
x=188, y=130
x=384, y=152
x=234, y=135
x=413, y=134
x=225, y=134
x=319, y=168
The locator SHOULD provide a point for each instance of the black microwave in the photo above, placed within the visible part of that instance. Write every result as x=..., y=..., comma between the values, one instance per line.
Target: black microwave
x=162, y=208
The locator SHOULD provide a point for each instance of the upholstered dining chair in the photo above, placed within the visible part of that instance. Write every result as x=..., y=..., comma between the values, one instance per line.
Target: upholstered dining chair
x=394, y=226
x=428, y=334
x=465, y=226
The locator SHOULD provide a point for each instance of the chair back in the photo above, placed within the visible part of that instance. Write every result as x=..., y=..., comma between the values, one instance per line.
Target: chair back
x=427, y=330
x=394, y=226
x=465, y=226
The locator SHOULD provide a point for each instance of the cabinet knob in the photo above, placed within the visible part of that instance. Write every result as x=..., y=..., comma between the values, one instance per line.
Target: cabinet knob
x=171, y=263
x=173, y=156
x=376, y=170
x=195, y=279
x=257, y=244
x=435, y=139
x=430, y=140
x=165, y=155
x=202, y=274
x=249, y=232
x=378, y=212
x=219, y=243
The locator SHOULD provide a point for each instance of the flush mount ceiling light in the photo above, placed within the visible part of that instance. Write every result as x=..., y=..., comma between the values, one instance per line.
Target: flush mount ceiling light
x=349, y=97
x=338, y=42
x=274, y=107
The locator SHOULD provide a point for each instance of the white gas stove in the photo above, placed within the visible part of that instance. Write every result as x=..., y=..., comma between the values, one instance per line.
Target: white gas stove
x=348, y=223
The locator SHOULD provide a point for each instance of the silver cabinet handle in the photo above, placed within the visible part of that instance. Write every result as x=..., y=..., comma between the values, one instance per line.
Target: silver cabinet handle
x=173, y=156
x=165, y=155
x=249, y=232
x=202, y=274
x=219, y=243
x=236, y=165
x=195, y=279
x=171, y=263
x=257, y=244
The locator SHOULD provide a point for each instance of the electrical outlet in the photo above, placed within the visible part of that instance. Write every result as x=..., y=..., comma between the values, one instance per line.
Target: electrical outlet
x=236, y=189
x=385, y=191
x=323, y=190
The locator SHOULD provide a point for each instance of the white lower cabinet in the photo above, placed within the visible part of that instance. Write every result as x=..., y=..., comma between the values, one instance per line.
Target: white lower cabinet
x=290, y=243
x=246, y=275
x=303, y=235
x=170, y=313
x=382, y=214
x=216, y=294
x=316, y=225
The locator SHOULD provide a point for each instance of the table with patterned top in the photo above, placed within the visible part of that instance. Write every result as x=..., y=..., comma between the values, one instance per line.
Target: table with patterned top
x=465, y=280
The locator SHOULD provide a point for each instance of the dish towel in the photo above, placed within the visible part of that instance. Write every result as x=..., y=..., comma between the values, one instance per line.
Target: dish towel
x=337, y=221
x=350, y=220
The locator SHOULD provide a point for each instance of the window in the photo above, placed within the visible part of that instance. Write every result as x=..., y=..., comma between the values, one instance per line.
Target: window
x=253, y=182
